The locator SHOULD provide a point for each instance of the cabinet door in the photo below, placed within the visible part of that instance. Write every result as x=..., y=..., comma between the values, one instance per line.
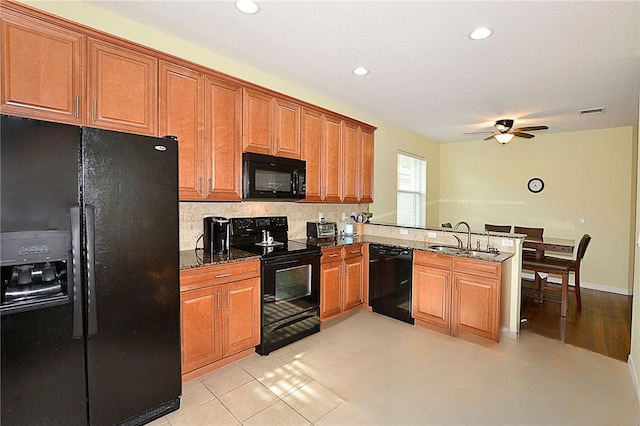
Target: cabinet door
x=311, y=132
x=332, y=141
x=353, y=282
x=223, y=140
x=200, y=327
x=330, y=298
x=286, y=129
x=365, y=184
x=256, y=122
x=122, y=89
x=241, y=319
x=475, y=306
x=42, y=68
x=432, y=296
x=182, y=115
x=349, y=163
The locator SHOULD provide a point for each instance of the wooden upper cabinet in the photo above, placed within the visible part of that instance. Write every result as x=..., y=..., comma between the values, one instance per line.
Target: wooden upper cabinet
x=349, y=163
x=332, y=143
x=181, y=103
x=122, y=89
x=286, y=128
x=365, y=180
x=223, y=140
x=311, y=131
x=256, y=116
x=271, y=125
x=42, y=69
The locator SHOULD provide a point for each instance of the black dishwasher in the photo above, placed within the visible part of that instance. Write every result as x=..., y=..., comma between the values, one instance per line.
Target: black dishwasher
x=390, y=281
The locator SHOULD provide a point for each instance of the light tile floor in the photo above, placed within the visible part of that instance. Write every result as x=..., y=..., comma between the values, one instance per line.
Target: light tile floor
x=367, y=369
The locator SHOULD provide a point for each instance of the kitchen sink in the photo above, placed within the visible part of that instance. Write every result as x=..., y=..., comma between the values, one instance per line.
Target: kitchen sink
x=475, y=254
x=446, y=249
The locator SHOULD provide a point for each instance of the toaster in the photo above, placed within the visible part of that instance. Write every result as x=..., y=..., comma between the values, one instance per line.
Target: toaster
x=322, y=229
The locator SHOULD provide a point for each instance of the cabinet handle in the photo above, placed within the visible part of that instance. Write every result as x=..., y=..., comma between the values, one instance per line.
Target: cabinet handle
x=228, y=298
x=95, y=110
x=218, y=304
x=200, y=185
x=210, y=185
x=355, y=251
x=334, y=255
x=223, y=275
x=77, y=106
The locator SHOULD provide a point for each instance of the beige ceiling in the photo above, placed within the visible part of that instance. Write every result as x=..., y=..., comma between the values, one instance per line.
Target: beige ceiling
x=546, y=60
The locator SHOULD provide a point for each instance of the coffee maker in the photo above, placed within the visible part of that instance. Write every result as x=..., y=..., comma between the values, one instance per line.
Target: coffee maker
x=216, y=235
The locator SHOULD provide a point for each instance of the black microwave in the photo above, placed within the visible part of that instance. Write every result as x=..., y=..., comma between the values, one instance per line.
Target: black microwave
x=265, y=177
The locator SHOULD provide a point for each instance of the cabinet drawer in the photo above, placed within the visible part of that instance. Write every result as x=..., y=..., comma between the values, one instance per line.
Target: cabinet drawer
x=476, y=267
x=331, y=254
x=435, y=260
x=353, y=250
x=218, y=274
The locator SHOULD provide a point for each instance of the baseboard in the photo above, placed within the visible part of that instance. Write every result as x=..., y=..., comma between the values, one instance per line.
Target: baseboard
x=590, y=286
x=634, y=376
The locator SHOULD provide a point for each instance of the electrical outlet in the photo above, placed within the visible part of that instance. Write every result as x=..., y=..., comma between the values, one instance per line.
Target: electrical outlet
x=320, y=217
x=507, y=243
x=344, y=216
x=404, y=231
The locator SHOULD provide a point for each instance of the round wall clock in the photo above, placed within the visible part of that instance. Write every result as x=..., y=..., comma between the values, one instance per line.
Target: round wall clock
x=535, y=185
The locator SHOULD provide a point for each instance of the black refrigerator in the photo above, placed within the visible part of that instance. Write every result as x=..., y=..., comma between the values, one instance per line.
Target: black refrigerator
x=90, y=276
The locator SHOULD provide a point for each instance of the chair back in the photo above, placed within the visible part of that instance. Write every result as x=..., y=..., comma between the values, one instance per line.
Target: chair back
x=447, y=225
x=582, y=247
x=530, y=232
x=497, y=228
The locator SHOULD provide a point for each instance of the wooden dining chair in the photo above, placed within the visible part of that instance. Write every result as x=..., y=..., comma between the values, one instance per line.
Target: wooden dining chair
x=447, y=225
x=530, y=232
x=570, y=265
x=497, y=228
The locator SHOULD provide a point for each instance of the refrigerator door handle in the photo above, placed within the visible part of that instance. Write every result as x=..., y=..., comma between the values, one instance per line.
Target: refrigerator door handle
x=92, y=314
x=76, y=252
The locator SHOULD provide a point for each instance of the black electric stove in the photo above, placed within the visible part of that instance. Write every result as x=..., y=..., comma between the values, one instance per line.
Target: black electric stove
x=246, y=233
x=290, y=279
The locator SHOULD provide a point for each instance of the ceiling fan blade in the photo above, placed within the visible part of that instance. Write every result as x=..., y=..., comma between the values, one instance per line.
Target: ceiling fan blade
x=530, y=128
x=477, y=133
x=489, y=137
x=523, y=135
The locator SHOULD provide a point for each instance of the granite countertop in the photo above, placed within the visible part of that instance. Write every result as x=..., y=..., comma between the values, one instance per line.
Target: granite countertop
x=197, y=258
x=394, y=242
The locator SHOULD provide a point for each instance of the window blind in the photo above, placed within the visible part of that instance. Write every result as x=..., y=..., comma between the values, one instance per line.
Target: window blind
x=412, y=191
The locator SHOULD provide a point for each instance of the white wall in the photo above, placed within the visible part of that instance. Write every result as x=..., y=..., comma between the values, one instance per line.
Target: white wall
x=588, y=175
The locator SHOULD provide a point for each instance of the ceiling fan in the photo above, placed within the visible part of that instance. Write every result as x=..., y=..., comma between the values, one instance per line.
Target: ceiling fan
x=505, y=131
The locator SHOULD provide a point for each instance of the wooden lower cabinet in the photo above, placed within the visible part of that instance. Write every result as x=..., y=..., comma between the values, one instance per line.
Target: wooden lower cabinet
x=342, y=280
x=220, y=314
x=456, y=295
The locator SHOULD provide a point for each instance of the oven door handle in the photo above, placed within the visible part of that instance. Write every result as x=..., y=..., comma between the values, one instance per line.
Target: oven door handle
x=290, y=259
x=293, y=320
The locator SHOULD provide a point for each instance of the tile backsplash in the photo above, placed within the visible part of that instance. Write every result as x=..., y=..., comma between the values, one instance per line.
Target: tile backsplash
x=192, y=214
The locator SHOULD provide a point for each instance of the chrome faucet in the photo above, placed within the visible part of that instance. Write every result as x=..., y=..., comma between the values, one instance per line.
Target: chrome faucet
x=468, y=233
x=459, y=241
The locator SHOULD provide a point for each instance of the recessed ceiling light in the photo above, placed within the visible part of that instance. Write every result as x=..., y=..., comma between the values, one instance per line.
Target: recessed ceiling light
x=480, y=33
x=247, y=6
x=360, y=71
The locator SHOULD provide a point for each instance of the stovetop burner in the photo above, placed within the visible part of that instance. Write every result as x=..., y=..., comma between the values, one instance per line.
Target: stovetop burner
x=246, y=233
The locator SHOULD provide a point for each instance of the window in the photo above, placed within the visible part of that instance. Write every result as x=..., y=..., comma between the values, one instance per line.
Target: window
x=412, y=190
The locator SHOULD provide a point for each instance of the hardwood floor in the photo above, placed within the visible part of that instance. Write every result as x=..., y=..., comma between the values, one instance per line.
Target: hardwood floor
x=603, y=326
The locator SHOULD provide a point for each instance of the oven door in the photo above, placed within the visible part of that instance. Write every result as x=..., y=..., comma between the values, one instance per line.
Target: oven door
x=290, y=286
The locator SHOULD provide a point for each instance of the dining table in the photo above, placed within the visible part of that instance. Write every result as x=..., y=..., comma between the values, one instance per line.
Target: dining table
x=564, y=246
x=541, y=245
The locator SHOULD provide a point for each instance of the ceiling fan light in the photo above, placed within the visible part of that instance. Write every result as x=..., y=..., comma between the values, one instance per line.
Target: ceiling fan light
x=503, y=138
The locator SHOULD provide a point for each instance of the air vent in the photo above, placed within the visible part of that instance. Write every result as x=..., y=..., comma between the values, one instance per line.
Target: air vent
x=591, y=111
